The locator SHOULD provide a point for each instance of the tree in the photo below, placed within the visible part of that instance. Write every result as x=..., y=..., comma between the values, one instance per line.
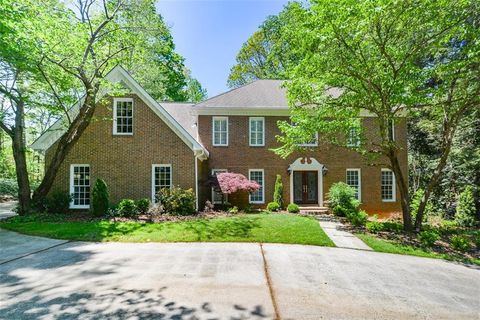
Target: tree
x=278, y=191
x=229, y=182
x=390, y=58
x=100, y=198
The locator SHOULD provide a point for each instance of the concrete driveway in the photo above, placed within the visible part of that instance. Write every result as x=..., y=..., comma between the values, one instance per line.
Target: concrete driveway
x=6, y=209
x=77, y=280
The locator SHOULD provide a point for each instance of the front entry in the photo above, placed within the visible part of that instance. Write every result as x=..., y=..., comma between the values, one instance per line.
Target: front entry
x=305, y=187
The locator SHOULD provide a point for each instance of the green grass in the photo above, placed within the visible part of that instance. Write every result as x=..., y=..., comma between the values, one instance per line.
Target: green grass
x=270, y=228
x=381, y=245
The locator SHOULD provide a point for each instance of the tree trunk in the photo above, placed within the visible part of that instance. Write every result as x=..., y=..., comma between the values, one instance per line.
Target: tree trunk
x=403, y=189
x=19, y=154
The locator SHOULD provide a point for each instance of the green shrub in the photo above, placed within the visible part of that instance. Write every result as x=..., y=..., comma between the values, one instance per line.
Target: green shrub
x=8, y=187
x=233, y=210
x=465, y=213
x=374, y=226
x=177, y=201
x=273, y=206
x=293, y=208
x=278, y=193
x=58, y=202
x=357, y=218
x=100, y=198
x=143, y=205
x=428, y=237
x=460, y=243
x=127, y=208
x=342, y=199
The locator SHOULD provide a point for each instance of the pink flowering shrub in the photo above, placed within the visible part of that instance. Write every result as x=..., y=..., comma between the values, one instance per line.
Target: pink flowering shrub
x=233, y=182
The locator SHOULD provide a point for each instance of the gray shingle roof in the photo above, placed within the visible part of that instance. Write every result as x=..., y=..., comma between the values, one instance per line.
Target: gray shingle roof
x=260, y=93
x=180, y=111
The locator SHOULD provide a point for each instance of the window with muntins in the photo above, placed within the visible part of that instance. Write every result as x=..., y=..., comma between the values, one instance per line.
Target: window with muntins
x=353, y=180
x=388, y=185
x=353, y=139
x=391, y=130
x=80, y=186
x=257, y=176
x=217, y=196
x=220, y=131
x=161, y=178
x=123, y=116
x=257, y=131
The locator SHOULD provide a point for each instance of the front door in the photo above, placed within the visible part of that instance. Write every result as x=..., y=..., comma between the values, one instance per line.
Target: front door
x=305, y=187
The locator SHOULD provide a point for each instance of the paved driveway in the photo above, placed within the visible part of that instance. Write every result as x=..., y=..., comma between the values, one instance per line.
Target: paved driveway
x=78, y=280
x=6, y=209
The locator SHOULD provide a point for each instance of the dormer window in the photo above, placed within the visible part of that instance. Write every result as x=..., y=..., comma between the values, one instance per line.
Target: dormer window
x=123, y=116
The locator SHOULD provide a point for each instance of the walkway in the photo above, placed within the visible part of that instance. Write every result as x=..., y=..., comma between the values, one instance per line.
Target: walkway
x=342, y=238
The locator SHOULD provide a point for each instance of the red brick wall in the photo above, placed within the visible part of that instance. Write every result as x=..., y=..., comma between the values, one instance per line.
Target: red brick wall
x=240, y=157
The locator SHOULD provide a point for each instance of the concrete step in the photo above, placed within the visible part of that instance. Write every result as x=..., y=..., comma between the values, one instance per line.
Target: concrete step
x=313, y=210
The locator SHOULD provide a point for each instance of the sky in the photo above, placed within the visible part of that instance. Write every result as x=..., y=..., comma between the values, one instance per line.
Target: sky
x=209, y=33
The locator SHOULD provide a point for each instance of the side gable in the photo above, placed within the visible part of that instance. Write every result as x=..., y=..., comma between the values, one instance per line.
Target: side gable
x=118, y=74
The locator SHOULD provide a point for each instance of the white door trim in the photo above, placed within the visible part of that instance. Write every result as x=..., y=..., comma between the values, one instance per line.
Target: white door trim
x=307, y=164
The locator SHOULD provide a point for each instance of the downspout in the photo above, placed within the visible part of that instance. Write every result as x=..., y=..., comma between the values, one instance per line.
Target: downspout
x=196, y=182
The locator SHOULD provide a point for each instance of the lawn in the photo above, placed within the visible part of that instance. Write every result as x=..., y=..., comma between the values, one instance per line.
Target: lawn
x=389, y=246
x=268, y=228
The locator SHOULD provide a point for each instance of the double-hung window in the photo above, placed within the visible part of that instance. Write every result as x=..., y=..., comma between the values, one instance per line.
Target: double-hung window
x=388, y=185
x=353, y=139
x=257, y=175
x=216, y=195
x=220, y=131
x=161, y=178
x=80, y=186
x=391, y=130
x=354, y=180
x=123, y=116
x=257, y=131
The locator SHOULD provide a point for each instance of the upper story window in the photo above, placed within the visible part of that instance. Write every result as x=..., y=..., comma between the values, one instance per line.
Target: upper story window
x=353, y=179
x=312, y=143
x=123, y=116
x=220, y=131
x=353, y=139
x=257, y=131
x=391, y=130
x=388, y=185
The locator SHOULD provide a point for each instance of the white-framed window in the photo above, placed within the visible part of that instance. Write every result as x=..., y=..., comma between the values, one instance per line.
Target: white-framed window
x=217, y=196
x=353, y=138
x=391, y=130
x=388, y=187
x=258, y=176
x=257, y=131
x=161, y=178
x=123, y=116
x=220, y=131
x=354, y=180
x=80, y=186
x=311, y=143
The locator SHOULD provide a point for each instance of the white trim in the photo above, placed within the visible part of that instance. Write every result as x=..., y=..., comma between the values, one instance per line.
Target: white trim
x=302, y=164
x=359, y=180
x=357, y=138
x=315, y=144
x=166, y=165
x=263, y=186
x=213, y=132
x=254, y=111
x=394, y=186
x=72, y=187
x=250, y=119
x=225, y=196
x=196, y=182
x=393, y=129
x=114, y=124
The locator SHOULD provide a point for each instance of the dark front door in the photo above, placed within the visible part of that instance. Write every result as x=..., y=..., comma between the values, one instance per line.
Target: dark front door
x=305, y=187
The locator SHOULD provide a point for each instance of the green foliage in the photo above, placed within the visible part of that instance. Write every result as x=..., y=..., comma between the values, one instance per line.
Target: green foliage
x=293, y=208
x=342, y=199
x=9, y=187
x=143, y=205
x=278, y=192
x=428, y=237
x=58, y=202
x=460, y=243
x=415, y=202
x=233, y=210
x=100, y=198
x=465, y=215
x=127, y=208
x=273, y=206
x=177, y=201
x=357, y=218
x=374, y=226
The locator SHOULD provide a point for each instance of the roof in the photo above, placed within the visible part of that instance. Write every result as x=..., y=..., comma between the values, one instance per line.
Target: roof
x=181, y=112
x=257, y=94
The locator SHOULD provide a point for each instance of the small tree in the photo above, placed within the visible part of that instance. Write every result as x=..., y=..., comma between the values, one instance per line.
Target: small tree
x=465, y=215
x=278, y=193
x=229, y=182
x=100, y=198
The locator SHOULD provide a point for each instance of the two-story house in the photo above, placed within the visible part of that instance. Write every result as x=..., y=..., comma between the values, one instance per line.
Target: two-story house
x=139, y=145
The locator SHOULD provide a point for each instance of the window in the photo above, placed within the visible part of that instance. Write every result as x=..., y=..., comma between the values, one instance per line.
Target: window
x=123, y=116
x=220, y=131
x=257, y=131
x=354, y=181
x=217, y=196
x=161, y=178
x=257, y=175
x=388, y=185
x=311, y=143
x=391, y=130
x=353, y=139
x=80, y=186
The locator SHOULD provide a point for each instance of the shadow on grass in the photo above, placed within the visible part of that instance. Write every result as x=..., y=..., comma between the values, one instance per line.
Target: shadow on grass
x=239, y=228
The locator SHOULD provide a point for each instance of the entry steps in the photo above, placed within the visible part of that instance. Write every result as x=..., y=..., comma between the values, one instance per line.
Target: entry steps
x=313, y=210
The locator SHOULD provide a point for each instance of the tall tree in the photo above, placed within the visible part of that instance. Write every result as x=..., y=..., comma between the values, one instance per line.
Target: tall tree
x=375, y=51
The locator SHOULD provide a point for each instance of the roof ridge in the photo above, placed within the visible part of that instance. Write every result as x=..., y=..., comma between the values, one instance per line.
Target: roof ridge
x=228, y=91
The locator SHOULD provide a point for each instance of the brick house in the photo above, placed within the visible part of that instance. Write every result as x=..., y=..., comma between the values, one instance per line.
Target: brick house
x=138, y=145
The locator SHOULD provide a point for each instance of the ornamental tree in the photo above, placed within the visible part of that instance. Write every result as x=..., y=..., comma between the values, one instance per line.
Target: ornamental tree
x=230, y=182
